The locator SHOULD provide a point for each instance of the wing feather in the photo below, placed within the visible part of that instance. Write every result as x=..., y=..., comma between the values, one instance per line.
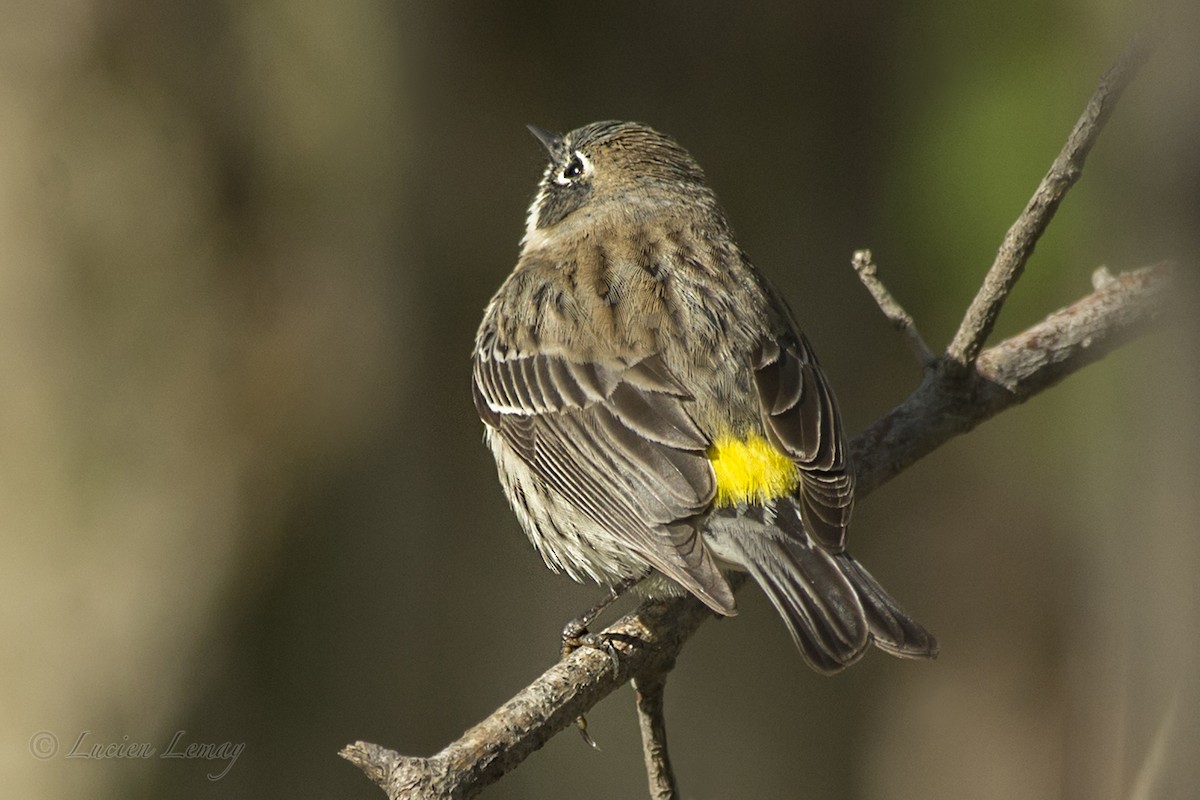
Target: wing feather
x=801, y=417
x=616, y=440
x=572, y=393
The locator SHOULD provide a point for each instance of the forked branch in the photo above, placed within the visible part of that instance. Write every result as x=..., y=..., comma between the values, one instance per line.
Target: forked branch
x=1019, y=241
x=649, y=639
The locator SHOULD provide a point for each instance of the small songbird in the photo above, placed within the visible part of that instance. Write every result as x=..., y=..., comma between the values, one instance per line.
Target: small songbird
x=656, y=415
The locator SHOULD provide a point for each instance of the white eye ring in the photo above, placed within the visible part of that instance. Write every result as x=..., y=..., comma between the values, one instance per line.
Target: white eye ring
x=578, y=166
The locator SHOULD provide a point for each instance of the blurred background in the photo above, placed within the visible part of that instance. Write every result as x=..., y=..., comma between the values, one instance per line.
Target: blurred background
x=244, y=248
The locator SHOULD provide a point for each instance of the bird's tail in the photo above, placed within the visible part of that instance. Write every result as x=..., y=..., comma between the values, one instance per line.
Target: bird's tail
x=830, y=604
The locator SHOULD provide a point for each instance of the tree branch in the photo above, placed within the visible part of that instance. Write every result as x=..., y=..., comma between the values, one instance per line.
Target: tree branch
x=1018, y=243
x=957, y=392
x=648, y=640
x=653, y=725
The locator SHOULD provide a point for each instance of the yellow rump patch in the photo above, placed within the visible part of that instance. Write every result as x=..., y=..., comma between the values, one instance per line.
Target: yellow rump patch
x=750, y=470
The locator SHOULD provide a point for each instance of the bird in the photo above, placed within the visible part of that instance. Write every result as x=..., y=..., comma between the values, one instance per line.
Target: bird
x=656, y=414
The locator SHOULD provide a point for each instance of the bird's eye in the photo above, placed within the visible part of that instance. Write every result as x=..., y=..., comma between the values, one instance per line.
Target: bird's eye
x=578, y=165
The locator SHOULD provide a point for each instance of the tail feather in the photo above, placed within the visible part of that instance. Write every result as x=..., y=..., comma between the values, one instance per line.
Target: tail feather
x=892, y=629
x=832, y=607
x=819, y=606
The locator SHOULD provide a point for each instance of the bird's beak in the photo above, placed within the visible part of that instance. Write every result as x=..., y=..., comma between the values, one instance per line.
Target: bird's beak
x=550, y=140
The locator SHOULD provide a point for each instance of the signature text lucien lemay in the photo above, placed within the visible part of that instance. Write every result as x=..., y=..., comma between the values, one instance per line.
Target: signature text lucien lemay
x=86, y=746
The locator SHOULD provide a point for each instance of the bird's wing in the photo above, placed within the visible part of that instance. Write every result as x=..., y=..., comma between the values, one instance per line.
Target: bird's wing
x=616, y=440
x=802, y=420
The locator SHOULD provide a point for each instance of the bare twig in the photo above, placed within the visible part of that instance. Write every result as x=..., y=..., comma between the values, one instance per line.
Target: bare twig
x=1146, y=783
x=901, y=320
x=653, y=725
x=649, y=639
x=1010, y=373
x=1021, y=238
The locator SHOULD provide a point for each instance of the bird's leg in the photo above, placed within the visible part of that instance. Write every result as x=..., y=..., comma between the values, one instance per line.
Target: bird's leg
x=575, y=633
